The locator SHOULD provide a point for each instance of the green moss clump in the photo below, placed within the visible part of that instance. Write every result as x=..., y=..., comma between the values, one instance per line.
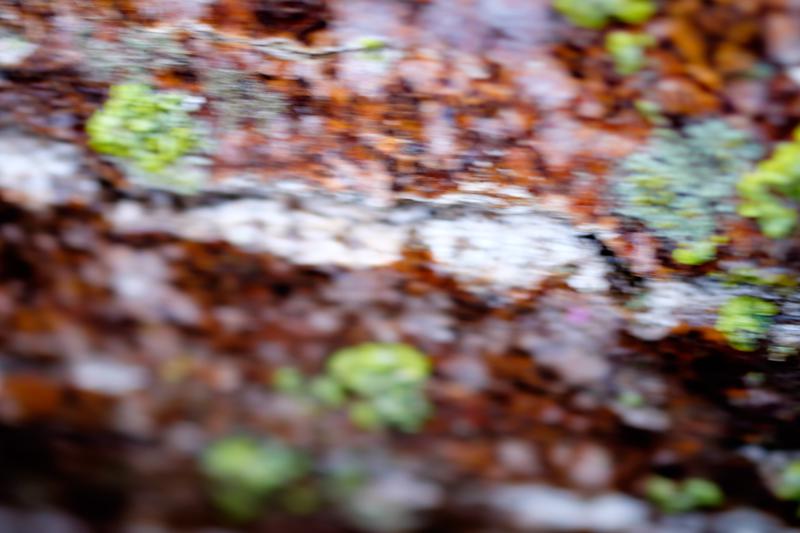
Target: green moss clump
x=151, y=129
x=682, y=182
x=744, y=320
x=680, y=497
x=596, y=14
x=243, y=471
x=767, y=191
x=627, y=49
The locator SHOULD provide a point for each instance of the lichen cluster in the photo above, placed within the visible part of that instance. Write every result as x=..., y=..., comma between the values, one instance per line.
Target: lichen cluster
x=681, y=497
x=745, y=320
x=381, y=384
x=682, y=182
x=788, y=487
x=597, y=13
x=239, y=98
x=778, y=280
x=243, y=471
x=134, y=56
x=627, y=50
x=247, y=476
x=151, y=129
x=770, y=192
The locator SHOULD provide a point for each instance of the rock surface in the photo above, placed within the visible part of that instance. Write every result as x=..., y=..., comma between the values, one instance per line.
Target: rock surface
x=444, y=185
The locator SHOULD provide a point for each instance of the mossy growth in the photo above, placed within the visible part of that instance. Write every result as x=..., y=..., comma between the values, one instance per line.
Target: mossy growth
x=770, y=192
x=627, y=49
x=381, y=384
x=745, y=320
x=244, y=471
x=681, y=497
x=596, y=14
x=148, y=128
x=682, y=182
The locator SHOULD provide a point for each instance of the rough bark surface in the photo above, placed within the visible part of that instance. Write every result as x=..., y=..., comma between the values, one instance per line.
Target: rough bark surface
x=451, y=189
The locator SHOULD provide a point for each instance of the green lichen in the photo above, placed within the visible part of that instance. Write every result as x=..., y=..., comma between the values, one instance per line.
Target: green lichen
x=327, y=391
x=388, y=380
x=696, y=253
x=323, y=390
x=744, y=321
x=757, y=277
x=403, y=408
x=372, y=368
x=596, y=14
x=239, y=98
x=380, y=384
x=788, y=486
x=651, y=112
x=682, y=182
x=370, y=44
x=148, y=128
x=288, y=380
x=769, y=193
x=631, y=399
x=680, y=497
x=244, y=471
x=627, y=49
x=135, y=55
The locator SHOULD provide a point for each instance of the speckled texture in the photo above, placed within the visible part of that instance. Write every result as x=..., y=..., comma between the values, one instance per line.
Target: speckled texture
x=448, y=191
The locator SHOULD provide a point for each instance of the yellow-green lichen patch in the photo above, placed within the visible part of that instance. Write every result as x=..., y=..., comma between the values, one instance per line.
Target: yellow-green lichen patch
x=682, y=182
x=769, y=193
x=745, y=320
x=788, y=485
x=388, y=378
x=597, y=13
x=150, y=129
x=681, y=497
x=380, y=384
x=778, y=280
x=243, y=471
x=627, y=49
x=373, y=368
